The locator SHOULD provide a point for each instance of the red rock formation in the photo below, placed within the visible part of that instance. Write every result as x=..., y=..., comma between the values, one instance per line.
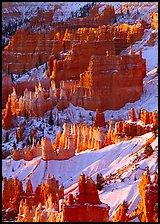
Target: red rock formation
x=99, y=119
x=126, y=129
x=110, y=135
x=90, y=42
x=12, y=194
x=25, y=214
x=149, y=118
x=155, y=21
x=28, y=155
x=7, y=87
x=101, y=78
x=86, y=207
x=35, y=51
x=132, y=115
x=80, y=137
x=7, y=119
x=46, y=195
x=121, y=213
x=147, y=209
x=76, y=61
x=63, y=103
x=34, y=103
x=63, y=148
x=18, y=154
x=93, y=20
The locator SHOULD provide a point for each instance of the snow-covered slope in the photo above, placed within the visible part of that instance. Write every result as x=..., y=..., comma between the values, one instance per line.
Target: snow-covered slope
x=123, y=160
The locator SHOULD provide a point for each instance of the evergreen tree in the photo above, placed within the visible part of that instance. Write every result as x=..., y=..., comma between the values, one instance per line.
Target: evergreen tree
x=46, y=65
x=8, y=70
x=12, y=77
x=39, y=60
x=6, y=137
x=51, y=122
x=14, y=145
x=24, y=69
x=100, y=181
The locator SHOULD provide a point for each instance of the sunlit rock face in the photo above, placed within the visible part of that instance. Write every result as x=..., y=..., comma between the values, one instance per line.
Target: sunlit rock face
x=155, y=21
x=121, y=213
x=35, y=103
x=79, y=137
x=7, y=116
x=19, y=57
x=110, y=82
x=86, y=207
x=147, y=208
x=42, y=204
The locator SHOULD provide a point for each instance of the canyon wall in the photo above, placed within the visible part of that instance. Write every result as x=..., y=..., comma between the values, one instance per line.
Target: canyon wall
x=27, y=50
x=77, y=45
x=104, y=79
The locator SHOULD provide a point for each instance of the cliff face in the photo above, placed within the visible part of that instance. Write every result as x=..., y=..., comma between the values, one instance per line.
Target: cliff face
x=18, y=57
x=104, y=82
x=77, y=60
x=86, y=207
x=87, y=42
x=78, y=46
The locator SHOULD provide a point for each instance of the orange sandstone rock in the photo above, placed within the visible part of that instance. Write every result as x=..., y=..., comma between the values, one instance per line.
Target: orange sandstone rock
x=7, y=121
x=87, y=207
x=121, y=213
x=147, y=209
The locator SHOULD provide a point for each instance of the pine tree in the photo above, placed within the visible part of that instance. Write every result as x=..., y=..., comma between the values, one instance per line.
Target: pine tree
x=46, y=65
x=51, y=122
x=7, y=137
x=24, y=70
x=8, y=70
